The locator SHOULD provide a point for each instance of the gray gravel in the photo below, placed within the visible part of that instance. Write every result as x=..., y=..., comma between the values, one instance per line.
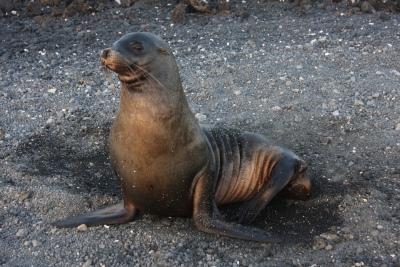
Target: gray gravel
x=321, y=82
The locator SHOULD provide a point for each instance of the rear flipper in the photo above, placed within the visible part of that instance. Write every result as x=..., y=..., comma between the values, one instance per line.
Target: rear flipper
x=300, y=187
x=289, y=178
x=204, y=220
x=115, y=214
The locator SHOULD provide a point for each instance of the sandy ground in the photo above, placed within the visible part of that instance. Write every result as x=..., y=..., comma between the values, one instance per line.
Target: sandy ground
x=320, y=82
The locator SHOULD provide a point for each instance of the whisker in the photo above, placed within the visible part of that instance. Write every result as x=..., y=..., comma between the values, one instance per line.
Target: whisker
x=145, y=72
x=106, y=72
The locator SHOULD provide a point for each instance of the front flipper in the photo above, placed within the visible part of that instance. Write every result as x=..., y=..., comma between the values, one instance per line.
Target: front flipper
x=115, y=214
x=204, y=220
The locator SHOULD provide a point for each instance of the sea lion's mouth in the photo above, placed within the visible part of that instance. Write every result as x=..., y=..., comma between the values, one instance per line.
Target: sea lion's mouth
x=120, y=68
x=118, y=63
x=127, y=74
x=134, y=79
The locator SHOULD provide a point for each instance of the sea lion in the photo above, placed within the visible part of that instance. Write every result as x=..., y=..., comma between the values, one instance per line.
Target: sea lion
x=166, y=164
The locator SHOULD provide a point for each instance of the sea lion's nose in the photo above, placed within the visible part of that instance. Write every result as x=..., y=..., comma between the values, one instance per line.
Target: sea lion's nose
x=104, y=53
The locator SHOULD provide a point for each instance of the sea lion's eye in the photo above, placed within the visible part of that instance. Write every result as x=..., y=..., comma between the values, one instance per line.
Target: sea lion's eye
x=137, y=47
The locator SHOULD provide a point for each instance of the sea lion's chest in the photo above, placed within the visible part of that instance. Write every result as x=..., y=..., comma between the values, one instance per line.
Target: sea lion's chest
x=156, y=193
x=156, y=169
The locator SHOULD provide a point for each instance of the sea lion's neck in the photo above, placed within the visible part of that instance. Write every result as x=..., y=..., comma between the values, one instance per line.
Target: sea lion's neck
x=162, y=122
x=154, y=108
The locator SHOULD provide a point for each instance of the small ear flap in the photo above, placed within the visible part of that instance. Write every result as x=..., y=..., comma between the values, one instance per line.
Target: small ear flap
x=163, y=51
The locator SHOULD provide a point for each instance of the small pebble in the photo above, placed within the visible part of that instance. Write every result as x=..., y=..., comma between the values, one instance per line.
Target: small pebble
x=322, y=39
x=50, y=120
x=395, y=72
x=36, y=243
x=375, y=233
x=200, y=117
x=332, y=103
x=276, y=108
x=24, y=196
x=22, y=232
x=298, y=118
x=325, y=139
x=102, y=246
x=331, y=237
x=87, y=263
x=328, y=247
x=366, y=7
x=358, y=103
x=376, y=95
x=379, y=227
x=319, y=244
x=82, y=228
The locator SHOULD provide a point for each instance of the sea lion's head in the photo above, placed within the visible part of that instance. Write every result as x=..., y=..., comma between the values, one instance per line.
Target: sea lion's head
x=141, y=59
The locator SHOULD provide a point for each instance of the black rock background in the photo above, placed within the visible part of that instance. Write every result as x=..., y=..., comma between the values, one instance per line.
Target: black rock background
x=55, y=8
x=319, y=78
